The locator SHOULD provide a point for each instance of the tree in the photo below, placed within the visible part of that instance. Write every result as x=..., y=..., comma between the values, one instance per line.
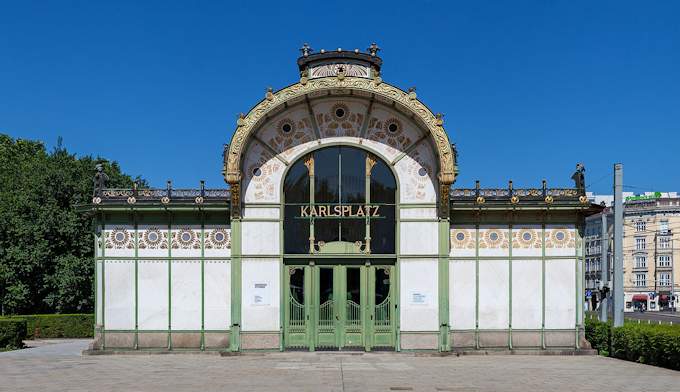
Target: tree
x=46, y=245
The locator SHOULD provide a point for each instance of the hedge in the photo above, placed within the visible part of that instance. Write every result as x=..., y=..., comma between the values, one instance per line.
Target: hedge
x=12, y=333
x=56, y=325
x=652, y=344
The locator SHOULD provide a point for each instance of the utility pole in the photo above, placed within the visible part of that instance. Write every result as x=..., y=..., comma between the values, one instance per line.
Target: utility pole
x=604, y=257
x=617, y=296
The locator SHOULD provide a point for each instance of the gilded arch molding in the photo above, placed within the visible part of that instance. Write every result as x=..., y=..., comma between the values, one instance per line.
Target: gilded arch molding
x=248, y=124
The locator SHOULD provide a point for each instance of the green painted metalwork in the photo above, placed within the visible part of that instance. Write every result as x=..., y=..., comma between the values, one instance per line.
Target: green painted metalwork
x=136, y=231
x=543, y=286
x=202, y=282
x=169, y=282
x=103, y=239
x=510, y=286
x=444, y=228
x=477, y=286
x=236, y=233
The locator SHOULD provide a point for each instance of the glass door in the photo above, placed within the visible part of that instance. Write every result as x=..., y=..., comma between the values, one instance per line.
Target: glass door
x=382, y=307
x=297, y=309
x=327, y=315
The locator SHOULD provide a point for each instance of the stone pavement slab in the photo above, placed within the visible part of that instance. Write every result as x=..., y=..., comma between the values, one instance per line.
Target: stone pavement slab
x=60, y=367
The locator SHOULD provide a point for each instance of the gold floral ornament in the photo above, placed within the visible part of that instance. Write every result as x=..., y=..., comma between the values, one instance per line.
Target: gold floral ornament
x=131, y=200
x=549, y=199
x=514, y=199
x=480, y=200
x=583, y=199
x=96, y=200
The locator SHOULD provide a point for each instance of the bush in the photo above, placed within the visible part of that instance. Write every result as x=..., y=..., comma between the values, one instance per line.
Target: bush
x=657, y=345
x=57, y=325
x=599, y=336
x=12, y=333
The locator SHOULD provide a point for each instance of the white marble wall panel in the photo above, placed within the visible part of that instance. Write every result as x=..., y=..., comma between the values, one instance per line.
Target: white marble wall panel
x=418, y=238
x=260, y=238
x=119, y=240
x=119, y=295
x=418, y=213
x=153, y=240
x=526, y=294
x=186, y=295
x=260, y=294
x=494, y=241
x=560, y=294
x=217, y=294
x=417, y=175
x=560, y=240
x=462, y=294
x=261, y=212
x=463, y=241
x=526, y=240
x=419, y=294
x=494, y=291
x=217, y=241
x=152, y=286
x=186, y=241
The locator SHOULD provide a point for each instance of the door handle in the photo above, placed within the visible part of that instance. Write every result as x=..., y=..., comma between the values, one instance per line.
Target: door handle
x=307, y=317
x=337, y=317
x=371, y=317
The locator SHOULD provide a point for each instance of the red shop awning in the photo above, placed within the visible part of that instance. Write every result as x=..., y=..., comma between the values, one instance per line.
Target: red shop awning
x=640, y=297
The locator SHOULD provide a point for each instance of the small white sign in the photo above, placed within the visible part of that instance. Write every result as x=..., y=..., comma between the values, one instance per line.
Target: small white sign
x=418, y=298
x=261, y=293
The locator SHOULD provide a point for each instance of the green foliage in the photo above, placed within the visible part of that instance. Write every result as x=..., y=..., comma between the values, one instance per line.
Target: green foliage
x=12, y=333
x=653, y=344
x=46, y=245
x=56, y=325
x=599, y=335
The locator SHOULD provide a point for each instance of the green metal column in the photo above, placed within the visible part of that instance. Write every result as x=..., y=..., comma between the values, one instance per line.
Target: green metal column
x=236, y=235
x=136, y=342
x=510, y=286
x=543, y=285
x=443, y=283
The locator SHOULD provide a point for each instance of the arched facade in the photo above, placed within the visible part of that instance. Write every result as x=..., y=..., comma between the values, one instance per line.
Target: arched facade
x=340, y=229
x=351, y=112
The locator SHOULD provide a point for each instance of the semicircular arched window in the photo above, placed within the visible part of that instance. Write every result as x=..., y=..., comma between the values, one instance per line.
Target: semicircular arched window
x=339, y=200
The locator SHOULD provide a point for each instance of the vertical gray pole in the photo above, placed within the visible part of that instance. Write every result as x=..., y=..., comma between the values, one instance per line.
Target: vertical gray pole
x=604, y=262
x=618, y=245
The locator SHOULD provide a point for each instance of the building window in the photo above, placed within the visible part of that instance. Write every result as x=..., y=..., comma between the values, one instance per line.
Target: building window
x=640, y=280
x=665, y=261
x=342, y=196
x=640, y=262
x=640, y=244
x=664, y=242
x=663, y=227
x=665, y=279
x=640, y=226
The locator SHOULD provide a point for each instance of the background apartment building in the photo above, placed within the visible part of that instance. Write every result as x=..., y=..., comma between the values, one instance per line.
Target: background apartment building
x=651, y=236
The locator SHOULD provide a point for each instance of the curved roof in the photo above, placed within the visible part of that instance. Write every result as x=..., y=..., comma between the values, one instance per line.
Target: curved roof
x=359, y=86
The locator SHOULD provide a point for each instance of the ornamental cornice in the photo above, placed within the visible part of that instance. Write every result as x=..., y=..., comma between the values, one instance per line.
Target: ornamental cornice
x=247, y=124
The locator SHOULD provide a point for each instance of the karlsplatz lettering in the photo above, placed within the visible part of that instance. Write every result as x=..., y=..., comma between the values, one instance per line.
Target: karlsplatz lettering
x=328, y=211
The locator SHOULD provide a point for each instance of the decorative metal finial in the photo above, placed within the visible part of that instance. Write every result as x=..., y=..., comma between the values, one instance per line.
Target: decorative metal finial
x=440, y=119
x=306, y=49
x=373, y=49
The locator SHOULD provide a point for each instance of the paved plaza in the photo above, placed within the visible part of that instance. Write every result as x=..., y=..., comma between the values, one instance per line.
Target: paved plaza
x=59, y=366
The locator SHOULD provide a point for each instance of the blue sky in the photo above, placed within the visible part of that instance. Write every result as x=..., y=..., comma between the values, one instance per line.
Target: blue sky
x=528, y=88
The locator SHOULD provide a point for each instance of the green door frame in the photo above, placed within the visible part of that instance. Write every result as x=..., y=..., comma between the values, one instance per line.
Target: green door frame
x=377, y=323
